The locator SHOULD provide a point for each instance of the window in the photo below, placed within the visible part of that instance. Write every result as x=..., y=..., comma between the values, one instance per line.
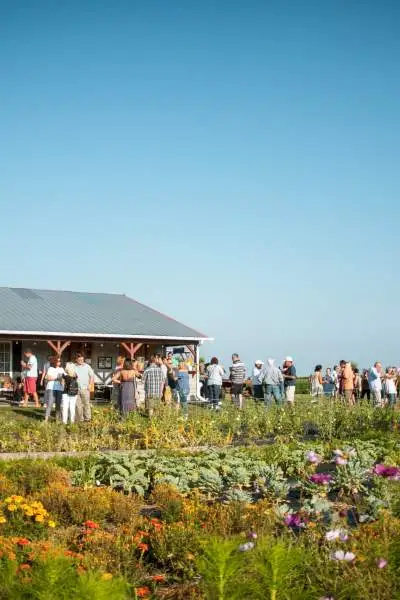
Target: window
x=5, y=358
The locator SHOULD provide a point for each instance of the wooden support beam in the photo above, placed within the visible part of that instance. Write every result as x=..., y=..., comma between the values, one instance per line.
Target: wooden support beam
x=131, y=348
x=58, y=346
x=192, y=350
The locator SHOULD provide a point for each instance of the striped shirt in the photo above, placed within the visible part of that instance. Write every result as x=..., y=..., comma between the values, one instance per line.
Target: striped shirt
x=238, y=372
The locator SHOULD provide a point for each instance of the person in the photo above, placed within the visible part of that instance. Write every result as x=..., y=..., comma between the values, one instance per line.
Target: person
x=390, y=386
x=85, y=382
x=183, y=387
x=30, y=375
x=237, y=377
x=70, y=394
x=258, y=392
x=46, y=367
x=115, y=395
x=18, y=391
x=336, y=378
x=375, y=383
x=328, y=382
x=153, y=381
x=347, y=381
x=357, y=385
x=172, y=381
x=365, y=391
x=289, y=379
x=54, y=387
x=215, y=374
x=126, y=378
x=317, y=388
x=272, y=377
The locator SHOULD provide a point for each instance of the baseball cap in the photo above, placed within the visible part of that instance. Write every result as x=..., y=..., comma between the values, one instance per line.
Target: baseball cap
x=258, y=362
x=289, y=359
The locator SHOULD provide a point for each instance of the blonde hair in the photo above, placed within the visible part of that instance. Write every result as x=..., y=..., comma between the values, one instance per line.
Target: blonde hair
x=70, y=370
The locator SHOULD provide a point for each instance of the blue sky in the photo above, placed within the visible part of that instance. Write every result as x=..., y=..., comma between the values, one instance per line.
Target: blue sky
x=233, y=164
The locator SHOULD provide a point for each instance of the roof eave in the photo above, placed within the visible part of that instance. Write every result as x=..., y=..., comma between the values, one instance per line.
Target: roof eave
x=105, y=336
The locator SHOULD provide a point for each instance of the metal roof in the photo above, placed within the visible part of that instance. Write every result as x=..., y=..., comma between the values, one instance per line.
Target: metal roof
x=40, y=312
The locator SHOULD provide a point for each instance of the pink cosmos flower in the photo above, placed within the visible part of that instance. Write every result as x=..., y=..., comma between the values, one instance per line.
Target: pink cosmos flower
x=342, y=556
x=387, y=471
x=313, y=457
x=337, y=534
x=321, y=478
x=294, y=520
x=382, y=563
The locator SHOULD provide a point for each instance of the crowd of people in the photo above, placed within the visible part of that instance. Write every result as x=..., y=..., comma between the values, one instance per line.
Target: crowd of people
x=68, y=388
x=166, y=380
x=346, y=380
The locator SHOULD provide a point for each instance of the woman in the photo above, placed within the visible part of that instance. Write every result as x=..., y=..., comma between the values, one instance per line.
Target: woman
x=215, y=374
x=317, y=388
x=365, y=389
x=390, y=386
x=328, y=383
x=357, y=384
x=183, y=387
x=126, y=378
x=116, y=387
x=54, y=387
x=70, y=394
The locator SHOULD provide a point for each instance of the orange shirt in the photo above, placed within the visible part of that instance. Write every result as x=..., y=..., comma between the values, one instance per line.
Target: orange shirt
x=348, y=377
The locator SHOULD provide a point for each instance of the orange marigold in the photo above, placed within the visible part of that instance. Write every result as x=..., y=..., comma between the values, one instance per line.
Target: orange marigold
x=143, y=547
x=142, y=592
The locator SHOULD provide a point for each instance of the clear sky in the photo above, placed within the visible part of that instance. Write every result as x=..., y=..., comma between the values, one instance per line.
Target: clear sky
x=233, y=164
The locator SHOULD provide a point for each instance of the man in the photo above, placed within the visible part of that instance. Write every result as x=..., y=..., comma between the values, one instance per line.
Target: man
x=237, y=377
x=85, y=376
x=375, y=383
x=347, y=381
x=272, y=377
x=258, y=393
x=30, y=375
x=153, y=381
x=289, y=378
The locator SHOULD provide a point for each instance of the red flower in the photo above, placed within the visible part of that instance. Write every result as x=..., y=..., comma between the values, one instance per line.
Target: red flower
x=158, y=578
x=142, y=592
x=24, y=567
x=156, y=524
x=143, y=547
x=23, y=542
x=91, y=525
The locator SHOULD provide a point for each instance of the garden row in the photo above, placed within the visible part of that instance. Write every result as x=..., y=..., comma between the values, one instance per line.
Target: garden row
x=326, y=420
x=302, y=520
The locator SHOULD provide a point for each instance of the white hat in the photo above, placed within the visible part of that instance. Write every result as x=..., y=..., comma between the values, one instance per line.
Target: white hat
x=289, y=359
x=258, y=362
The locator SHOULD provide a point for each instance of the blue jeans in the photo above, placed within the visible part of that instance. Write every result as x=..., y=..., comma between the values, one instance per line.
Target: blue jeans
x=273, y=391
x=213, y=394
x=183, y=401
x=391, y=398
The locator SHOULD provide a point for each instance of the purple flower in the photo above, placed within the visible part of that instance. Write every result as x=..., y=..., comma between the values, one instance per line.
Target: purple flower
x=294, y=520
x=246, y=547
x=252, y=535
x=342, y=556
x=382, y=563
x=340, y=460
x=313, y=457
x=336, y=534
x=387, y=471
x=321, y=478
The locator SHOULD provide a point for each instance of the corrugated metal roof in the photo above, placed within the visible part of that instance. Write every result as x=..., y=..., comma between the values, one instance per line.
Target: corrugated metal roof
x=26, y=310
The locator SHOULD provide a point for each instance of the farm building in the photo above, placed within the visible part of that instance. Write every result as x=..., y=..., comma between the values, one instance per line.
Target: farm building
x=102, y=326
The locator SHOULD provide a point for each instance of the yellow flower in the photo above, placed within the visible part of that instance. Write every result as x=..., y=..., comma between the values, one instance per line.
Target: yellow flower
x=11, y=507
x=106, y=576
x=3, y=519
x=39, y=518
x=29, y=512
x=17, y=499
x=8, y=500
x=51, y=524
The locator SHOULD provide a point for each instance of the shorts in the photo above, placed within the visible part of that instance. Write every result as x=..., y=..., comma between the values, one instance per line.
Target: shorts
x=236, y=389
x=30, y=385
x=151, y=402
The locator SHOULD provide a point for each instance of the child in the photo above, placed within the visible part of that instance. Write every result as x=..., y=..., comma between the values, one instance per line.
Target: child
x=18, y=389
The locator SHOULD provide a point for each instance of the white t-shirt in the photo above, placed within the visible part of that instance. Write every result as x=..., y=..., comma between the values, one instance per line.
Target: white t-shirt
x=374, y=380
x=56, y=384
x=33, y=371
x=390, y=386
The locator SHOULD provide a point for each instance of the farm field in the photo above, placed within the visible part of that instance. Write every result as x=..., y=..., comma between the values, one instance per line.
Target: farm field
x=258, y=504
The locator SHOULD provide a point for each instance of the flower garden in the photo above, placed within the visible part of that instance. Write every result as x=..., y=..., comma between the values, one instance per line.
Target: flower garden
x=299, y=503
